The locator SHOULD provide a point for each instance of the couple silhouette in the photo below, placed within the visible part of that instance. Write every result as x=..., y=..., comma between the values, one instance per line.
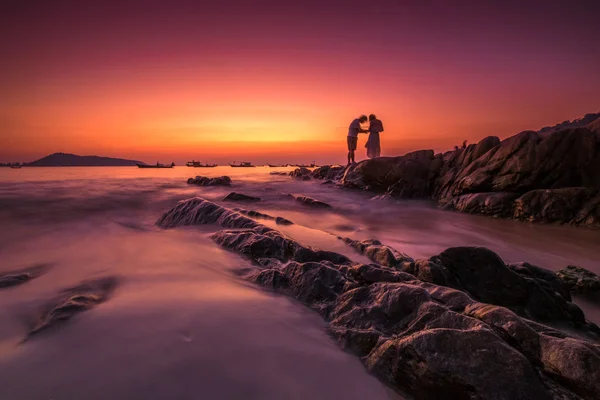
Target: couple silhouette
x=373, y=144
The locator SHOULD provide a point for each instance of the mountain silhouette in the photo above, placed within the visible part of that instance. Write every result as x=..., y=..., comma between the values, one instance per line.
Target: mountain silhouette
x=73, y=160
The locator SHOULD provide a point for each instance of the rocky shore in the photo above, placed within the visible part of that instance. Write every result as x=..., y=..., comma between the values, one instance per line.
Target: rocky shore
x=462, y=324
x=546, y=176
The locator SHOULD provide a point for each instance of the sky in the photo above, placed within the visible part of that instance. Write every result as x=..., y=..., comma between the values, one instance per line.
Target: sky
x=280, y=81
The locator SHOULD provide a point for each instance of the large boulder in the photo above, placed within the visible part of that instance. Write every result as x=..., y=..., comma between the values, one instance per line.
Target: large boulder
x=406, y=176
x=530, y=161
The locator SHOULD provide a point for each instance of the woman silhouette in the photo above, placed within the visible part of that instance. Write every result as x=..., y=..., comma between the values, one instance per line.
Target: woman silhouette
x=373, y=143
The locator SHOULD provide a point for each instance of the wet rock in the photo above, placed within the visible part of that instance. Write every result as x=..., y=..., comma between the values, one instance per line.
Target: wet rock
x=206, y=181
x=197, y=211
x=559, y=205
x=13, y=278
x=233, y=196
x=530, y=161
x=499, y=204
x=543, y=276
x=406, y=176
x=423, y=338
x=73, y=301
x=328, y=182
x=256, y=214
x=530, y=291
x=311, y=202
x=302, y=173
x=532, y=176
x=378, y=252
x=328, y=172
x=283, y=221
x=579, y=280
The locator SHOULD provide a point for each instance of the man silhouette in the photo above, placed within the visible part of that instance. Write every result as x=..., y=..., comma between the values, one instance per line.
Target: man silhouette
x=353, y=132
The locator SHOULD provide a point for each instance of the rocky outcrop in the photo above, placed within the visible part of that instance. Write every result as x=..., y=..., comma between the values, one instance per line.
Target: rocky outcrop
x=532, y=176
x=579, y=280
x=423, y=338
x=13, y=278
x=206, y=181
x=197, y=211
x=532, y=292
x=408, y=176
x=233, y=196
x=73, y=301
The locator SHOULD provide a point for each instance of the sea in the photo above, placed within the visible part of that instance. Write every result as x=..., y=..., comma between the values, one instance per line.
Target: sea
x=180, y=324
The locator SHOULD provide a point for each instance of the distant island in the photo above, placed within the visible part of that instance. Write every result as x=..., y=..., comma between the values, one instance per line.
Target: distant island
x=73, y=160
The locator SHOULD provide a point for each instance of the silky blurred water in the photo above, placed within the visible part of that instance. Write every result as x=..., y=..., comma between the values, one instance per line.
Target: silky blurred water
x=180, y=325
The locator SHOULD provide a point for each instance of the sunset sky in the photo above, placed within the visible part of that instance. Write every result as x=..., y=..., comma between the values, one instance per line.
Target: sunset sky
x=277, y=81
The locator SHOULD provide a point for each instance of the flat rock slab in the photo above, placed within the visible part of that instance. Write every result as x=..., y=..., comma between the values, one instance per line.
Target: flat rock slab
x=259, y=215
x=233, y=196
x=309, y=201
x=71, y=302
x=13, y=278
x=206, y=181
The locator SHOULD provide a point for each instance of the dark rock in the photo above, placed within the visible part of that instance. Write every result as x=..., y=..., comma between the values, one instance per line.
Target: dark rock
x=499, y=204
x=579, y=280
x=206, y=181
x=312, y=202
x=300, y=173
x=328, y=182
x=197, y=211
x=73, y=301
x=543, y=277
x=378, y=252
x=283, y=221
x=233, y=196
x=528, y=161
x=422, y=338
x=13, y=278
x=558, y=205
x=530, y=291
x=405, y=176
x=532, y=176
x=328, y=172
x=256, y=214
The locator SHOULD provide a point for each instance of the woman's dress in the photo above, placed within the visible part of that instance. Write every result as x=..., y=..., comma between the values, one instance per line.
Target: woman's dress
x=374, y=143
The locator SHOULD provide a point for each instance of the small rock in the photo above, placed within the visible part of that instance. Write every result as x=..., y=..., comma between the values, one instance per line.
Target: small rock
x=312, y=202
x=73, y=301
x=206, y=181
x=13, y=278
x=233, y=196
x=579, y=280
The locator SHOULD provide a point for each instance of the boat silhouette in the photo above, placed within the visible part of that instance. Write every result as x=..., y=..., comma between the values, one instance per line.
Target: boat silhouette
x=242, y=164
x=158, y=165
x=198, y=164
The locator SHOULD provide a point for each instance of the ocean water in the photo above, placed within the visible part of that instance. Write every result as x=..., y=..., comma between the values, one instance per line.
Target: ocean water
x=180, y=324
